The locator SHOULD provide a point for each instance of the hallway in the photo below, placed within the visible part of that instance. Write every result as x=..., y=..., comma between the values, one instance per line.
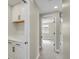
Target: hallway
x=48, y=51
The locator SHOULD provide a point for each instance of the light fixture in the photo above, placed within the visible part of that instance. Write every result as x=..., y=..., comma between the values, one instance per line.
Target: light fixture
x=56, y=7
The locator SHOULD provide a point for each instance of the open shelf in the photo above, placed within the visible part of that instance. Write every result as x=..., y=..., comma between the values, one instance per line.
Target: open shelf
x=18, y=21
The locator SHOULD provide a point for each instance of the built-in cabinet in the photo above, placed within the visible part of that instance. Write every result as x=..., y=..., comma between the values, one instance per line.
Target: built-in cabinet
x=19, y=14
x=16, y=50
x=24, y=28
x=18, y=23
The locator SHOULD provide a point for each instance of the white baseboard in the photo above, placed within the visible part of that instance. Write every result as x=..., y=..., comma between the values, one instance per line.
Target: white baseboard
x=38, y=56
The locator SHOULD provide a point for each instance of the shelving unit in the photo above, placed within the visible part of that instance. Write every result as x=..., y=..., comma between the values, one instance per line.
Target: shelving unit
x=22, y=28
x=19, y=14
x=18, y=21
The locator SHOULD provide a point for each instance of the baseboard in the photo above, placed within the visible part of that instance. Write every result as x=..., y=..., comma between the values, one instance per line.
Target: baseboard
x=38, y=56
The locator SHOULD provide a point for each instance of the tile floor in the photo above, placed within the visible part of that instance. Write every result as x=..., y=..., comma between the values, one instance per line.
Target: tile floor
x=48, y=51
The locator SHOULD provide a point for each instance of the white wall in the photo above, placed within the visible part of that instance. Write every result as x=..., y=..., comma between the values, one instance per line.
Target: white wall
x=17, y=30
x=9, y=11
x=34, y=32
x=20, y=31
x=11, y=26
x=66, y=29
x=19, y=9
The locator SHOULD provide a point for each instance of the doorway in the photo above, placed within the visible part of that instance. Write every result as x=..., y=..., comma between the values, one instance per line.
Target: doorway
x=50, y=37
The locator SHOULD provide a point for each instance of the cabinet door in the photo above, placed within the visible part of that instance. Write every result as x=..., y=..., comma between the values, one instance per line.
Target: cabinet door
x=20, y=51
x=11, y=54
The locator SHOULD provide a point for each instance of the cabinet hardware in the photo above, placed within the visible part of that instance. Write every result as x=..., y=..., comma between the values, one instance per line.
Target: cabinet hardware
x=26, y=42
x=13, y=49
x=18, y=44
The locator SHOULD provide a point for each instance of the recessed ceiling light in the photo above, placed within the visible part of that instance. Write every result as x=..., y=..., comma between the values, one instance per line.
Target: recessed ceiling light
x=56, y=7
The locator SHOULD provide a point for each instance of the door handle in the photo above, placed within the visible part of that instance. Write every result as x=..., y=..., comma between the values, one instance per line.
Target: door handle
x=54, y=33
x=18, y=44
x=25, y=42
x=13, y=49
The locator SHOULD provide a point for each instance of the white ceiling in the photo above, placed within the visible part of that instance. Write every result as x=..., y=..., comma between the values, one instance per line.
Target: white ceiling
x=45, y=6
x=13, y=2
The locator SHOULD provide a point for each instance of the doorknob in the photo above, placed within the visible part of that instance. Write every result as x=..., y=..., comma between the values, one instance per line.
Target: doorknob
x=54, y=33
x=26, y=43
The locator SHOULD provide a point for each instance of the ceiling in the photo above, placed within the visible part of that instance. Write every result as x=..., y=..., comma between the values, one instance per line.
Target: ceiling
x=45, y=6
x=13, y=2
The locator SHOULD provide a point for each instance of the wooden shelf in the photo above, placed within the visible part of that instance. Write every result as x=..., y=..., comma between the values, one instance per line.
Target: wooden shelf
x=18, y=21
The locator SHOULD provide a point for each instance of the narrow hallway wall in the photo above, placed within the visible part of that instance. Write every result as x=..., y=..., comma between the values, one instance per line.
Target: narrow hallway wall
x=34, y=32
x=66, y=29
x=11, y=26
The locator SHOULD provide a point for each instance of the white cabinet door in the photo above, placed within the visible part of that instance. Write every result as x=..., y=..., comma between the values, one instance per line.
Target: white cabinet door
x=11, y=54
x=21, y=51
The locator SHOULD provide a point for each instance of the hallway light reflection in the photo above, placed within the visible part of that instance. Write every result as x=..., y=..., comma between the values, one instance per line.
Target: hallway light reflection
x=46, y=42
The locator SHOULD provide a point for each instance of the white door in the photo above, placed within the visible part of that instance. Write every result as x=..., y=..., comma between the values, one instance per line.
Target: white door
x=11, y=54
x=21, y=51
